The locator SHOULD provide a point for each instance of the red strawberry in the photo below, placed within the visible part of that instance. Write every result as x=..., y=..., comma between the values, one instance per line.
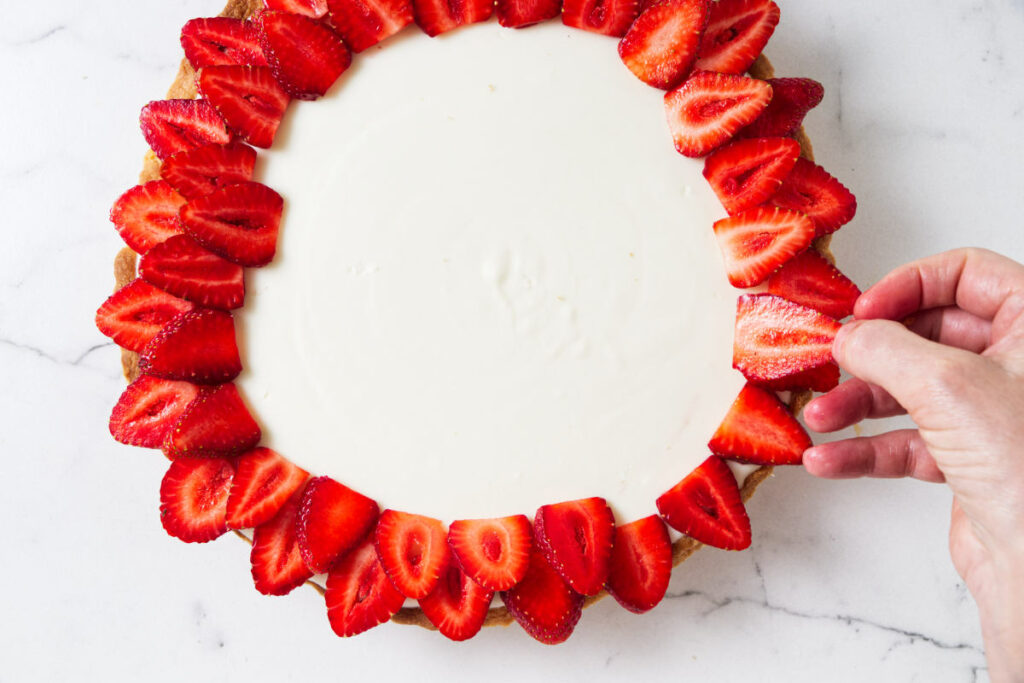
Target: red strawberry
x=747, y=173
x=792, y=98
x=440, y=16
x=543, y=603
x=194, y=497
x=172, y=126
x=148, y=409
x=277, y=566
x=737, y=33
x=146, y=215
x=333, y=520
x=641, y=564
x=309, y=8
x=759, y=429
x=364, y=23
x=758, y=242
x=707, y=110
x=134, y=314
x=812, y=281
x=198, y=346
x=202, y=170
x=264, y=481
x=522, y=13
x=706, y=506
x=811, y=190
x=576, y=539
x=608, y=17
x=412, y=550
x=215, y=424
x=239, y=222
x=776, y=338
x=305, y=56
x=822, y=378
x=183, y=268
x=249, y=98
x=220, y=41
x=458, y=605
x=359, y=593
x=493, y=552
x=661, y=45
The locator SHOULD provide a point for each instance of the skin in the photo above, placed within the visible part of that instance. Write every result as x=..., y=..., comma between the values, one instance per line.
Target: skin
x=942, y=339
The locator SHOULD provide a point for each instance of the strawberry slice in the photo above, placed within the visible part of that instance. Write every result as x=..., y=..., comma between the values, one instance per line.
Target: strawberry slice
x=198, y=346
x=811, y=280
x=194, y=498
x=776, y=338
x=264, y=481
x=707, y=507
x=811, y=190
x=759, y=429
x=277, y=566
x=148, y=409
x=172, y=126
x=202, y=170
x=334, y=518
x=183, y=268
x=522, y=13
x=440, y=16
x=364, y=23
x=220, y=41
x=136, y=313
x=641, y=564
x=309, y=8
x=305, y=56
x=493, y=552
x=661, y=45
x=215, y=424
x=412, y=550
x=359, y=594
x=146, y=215
x=737, y=32
x=458, y=605
x=239, y=222
x=607, y=17
x=576, y=539
x=822, y=378
x=543, y=603
x=709, y=109
x=758, y=242
x=249, y=98
x=746, y=173
x=792, y=98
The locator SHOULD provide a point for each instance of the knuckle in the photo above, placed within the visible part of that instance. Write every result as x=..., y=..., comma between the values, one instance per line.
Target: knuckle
x=953, y=374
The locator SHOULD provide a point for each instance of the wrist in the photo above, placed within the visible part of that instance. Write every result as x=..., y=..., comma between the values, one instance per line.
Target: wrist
x=1002, y=619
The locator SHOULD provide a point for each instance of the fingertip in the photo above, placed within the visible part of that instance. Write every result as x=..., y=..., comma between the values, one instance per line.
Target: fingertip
x=815, y=415
x=816, y=462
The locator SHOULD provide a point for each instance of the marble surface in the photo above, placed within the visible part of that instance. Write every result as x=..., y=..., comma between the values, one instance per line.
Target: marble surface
x=924, y=119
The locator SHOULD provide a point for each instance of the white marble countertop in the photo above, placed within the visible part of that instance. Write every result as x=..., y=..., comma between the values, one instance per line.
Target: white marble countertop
x=923, y=118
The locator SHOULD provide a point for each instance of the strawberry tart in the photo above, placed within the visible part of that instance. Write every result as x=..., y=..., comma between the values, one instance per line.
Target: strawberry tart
x=476, y=338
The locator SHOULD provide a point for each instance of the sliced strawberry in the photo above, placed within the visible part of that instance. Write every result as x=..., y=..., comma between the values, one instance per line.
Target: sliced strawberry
x=493, y=552
x=172, y=126
x=264, y=481
x=811, y=190
x=202, y=170
x=440, y=16
x=146, y=215
x=776, y=338
x=707, y=507
x=148, y=409
x=137, y=312
x=220, y=41
x=215, y=424
x=308, y=8
x=458, y=605
x=198, y=346
x=522, y=13
x=708, y=109
x=758, y=242
x=364, y=23
x=277, y=566
x=412, y=550
x=576, y=539
x=543, y=603
x=746, y=173
x=737, y=33
x=822, y=378
x=661, y=45
x=759, y=429
x=305, y=56
x=194, y=498
x=333, y=520
x=792, y=98
x=183, y=268
x=608, y=17
x=359, y=593
x=641, y=564
x=811, y=280
x=239, y=222
x=249, y=98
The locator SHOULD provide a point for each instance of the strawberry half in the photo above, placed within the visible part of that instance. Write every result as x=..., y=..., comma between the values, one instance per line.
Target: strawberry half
x=758, y=242
x=661, y=45
x=747, y=173
x=641, y=564
x=737, y=33
x=194, y=498
x=707, y=507
x=412, y=550
x=183, y=268
x=576, y=539
x=440, y=16
x=792, y=98
x=309, y=8
x=493, y=552
x=249, y=98
x=136, y=313
x=220, y=41
x=811, y=190
x=334, y=518
x=607, y=17
x=522, y=13
x=809, y=279
x=709, y=109
x=239, y=222
x=215, y=424
x=202, y=170
x=543, y=603
x=264, y=481
x=776, y=338
x=364, y=23
x=148, y=410
x=146, y=215
x=822, y=378
x=277, y=565
x=172, y=126
x=458, y=605
x=359, y=594
x=198, y=346
x=305, y=56
x=759, y=429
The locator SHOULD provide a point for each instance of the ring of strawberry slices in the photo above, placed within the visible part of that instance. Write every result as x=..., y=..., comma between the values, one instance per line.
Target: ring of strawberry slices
x=200, y=220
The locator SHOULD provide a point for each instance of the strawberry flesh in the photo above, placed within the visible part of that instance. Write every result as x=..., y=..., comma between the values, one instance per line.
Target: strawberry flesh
x=172, y=126
x=137, y=312
x=709, y=109
x=333, y=520
x=249, y=98
x=239, y=222
x=458, y=605
x=315, y=9
x=737, y=32
x=220, y=41
x=194, y=498
x=809, y=279
x=747, y=173
x=822, y=378
x=495, y=553
x=641, y=564
x=707, y=507
x=181, y=267
x=760, y=430
x=215, y=424
x=147, y=214
x=305, y=56
x=277, y=565
x=522, y=13
x=202, y=170
x=811, y=190
x=792, y=98
x=264, y=481
x=364, y=23
x=148, y=410
x=198, y=346
x=576, y=539
x=543, y=603
x=440, y=16
x=661, y=45
x=607, y=17
x=412, y=550
x=359, y=594
x=758, y=242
